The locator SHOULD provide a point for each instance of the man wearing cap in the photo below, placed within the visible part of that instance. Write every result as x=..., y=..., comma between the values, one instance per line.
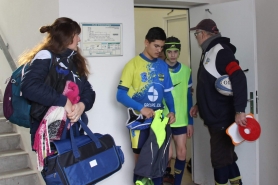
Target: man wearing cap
x=183, y=127
x=219, y=111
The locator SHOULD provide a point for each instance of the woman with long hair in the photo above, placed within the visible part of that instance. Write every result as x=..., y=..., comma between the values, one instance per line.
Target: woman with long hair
x=60, y=44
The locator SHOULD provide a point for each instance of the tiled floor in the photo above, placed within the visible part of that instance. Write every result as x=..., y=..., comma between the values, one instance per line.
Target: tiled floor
x=186, y=180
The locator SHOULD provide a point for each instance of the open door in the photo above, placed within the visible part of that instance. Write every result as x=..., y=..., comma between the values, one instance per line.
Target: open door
x=171, y=23
x=235, y=20
x=178, y=26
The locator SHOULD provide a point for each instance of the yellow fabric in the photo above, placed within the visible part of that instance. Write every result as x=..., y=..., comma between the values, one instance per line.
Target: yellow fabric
x=236, y=181
x=220, y=184
x=146, y=81
x=134, y=139
x=180, y=81
x=158, y=126
x=144, y=181
x=133, y=69
x=177, y=171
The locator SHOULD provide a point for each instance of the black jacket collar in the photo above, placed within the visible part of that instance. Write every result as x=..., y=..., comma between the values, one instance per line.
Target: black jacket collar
x=221, y=40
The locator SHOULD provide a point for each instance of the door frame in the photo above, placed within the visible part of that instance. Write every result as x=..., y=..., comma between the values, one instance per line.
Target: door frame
x=187, y=16
x=248, y=151
x=171, y=18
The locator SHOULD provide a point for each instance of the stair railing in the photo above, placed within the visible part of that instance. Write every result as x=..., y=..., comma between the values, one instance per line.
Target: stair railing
x=7, y=54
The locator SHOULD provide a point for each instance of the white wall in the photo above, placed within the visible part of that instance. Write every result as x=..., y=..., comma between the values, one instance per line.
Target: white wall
x=19, y=24
x=267, y=26
x=108, y=116
x=19, y=27
x=5, y=72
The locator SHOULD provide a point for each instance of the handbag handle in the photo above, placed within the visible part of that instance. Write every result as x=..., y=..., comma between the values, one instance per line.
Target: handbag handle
x=65, y=130
x=89, y=133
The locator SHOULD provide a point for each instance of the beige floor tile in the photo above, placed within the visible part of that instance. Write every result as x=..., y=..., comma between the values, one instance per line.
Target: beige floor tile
x=186, y=179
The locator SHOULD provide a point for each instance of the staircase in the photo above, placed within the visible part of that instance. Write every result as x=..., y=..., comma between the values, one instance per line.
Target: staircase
x=14, y=162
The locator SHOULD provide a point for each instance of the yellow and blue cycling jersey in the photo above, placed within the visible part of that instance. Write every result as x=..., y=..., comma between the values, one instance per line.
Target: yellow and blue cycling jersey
x=146, y=81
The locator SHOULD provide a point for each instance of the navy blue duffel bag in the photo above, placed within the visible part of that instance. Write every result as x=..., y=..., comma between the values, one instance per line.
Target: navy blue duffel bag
x=82, y=160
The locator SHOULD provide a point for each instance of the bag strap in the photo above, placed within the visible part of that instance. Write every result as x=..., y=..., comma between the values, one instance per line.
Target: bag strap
x=65, y=130
x=89, y=133
x=53, y=58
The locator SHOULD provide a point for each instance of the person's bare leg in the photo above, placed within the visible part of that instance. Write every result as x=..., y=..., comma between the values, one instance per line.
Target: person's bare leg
x=180, y=143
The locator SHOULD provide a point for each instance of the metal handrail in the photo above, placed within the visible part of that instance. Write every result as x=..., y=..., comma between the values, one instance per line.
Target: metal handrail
x=7, y=54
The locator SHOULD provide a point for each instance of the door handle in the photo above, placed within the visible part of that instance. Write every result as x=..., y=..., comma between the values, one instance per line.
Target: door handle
x=257, y=103
x=251, y=101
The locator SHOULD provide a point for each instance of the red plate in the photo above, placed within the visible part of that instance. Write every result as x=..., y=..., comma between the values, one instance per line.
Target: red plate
x=252, y=131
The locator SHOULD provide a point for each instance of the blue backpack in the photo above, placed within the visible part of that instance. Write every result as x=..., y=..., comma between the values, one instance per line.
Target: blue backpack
x=15, y=107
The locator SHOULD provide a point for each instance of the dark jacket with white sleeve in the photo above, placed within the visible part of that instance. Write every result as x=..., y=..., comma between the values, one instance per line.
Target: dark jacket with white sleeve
x=34, y=89
x=218, y=59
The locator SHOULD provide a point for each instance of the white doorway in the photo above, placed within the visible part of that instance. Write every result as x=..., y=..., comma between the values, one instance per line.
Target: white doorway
x=166, y=18
x=178, y=26
x=236, y=21
x=175, y=23
x=240, y=27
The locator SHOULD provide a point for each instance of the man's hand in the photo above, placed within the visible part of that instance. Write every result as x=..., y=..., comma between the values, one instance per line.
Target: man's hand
x=171, y=117
x=147, y=112
x=240, y=119
x=189, y=130
x=194, y=111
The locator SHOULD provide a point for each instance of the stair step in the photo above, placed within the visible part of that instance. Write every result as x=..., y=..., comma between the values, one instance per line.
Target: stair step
x=9, y=141
x=12, y=152
x=13, y=160
x=19, y=177
x=5, y=126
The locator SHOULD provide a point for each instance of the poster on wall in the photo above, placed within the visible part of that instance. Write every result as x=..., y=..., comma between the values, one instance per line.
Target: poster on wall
x=101, y=39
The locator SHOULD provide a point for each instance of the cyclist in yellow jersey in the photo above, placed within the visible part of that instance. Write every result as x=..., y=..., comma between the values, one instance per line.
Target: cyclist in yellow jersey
x=183, y=127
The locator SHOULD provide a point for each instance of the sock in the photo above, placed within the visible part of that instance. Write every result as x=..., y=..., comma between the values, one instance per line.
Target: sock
x=234, y=174
x=221, y=175
x=157, y=181
x=179, y=168
x=236, y=181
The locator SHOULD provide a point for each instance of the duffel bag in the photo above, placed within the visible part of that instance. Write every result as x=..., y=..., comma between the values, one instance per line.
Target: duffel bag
x=82, y=160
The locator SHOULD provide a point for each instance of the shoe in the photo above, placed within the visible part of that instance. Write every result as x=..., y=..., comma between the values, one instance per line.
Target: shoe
x=144, y=181
x=189, y=166
x=169, y=178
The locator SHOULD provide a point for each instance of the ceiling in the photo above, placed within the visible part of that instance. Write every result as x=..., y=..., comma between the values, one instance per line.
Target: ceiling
x=168, y=3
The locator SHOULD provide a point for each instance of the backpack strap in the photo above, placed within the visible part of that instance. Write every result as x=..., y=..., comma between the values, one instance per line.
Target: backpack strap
x=53, y=59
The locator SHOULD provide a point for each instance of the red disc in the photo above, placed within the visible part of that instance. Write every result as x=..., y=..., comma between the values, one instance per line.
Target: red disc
x=252, y=131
